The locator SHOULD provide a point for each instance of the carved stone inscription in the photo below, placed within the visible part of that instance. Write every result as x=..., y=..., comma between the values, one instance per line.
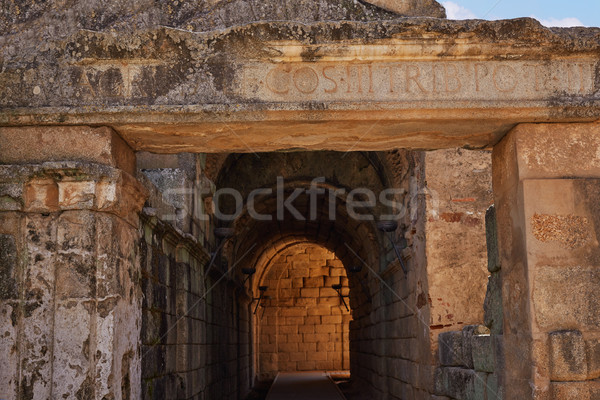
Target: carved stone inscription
x=407, y=81
x=126, y=79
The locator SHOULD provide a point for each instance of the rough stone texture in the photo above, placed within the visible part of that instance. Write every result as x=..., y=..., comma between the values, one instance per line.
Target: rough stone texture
x=459, y=192
x=493, y=315
x=479, y=373
x=456, y=383
x=576, y=390
x=195, y=338
x=168, y=89
x=494, y=389
x=31, y=145
x=467, y=345
x=451, y=349
x=568, y=361
x=556, y=303
x=304, y=325
x=532, y=178
x=80, y=303
x=483, y=353
x=200, y=15
x=68, y=239
x=430, y=8
x=592, y=348
x=8, y=268
x=187, y=208
x=71, y=185
x=491, y=240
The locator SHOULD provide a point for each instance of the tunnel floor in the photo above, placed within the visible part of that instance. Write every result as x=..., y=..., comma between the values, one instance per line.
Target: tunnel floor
x=304, y=386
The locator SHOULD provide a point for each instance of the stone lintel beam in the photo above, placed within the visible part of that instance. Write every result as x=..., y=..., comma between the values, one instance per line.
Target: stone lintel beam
x=428, y=83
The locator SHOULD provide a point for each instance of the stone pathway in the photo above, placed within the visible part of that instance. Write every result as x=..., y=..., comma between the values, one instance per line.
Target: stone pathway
x=304, y=386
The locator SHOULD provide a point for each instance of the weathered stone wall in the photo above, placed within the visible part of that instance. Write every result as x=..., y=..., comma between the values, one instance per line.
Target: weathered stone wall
x=195, y=323
x=71, y=317
x=471, y=365
x=304, y=324
x=384, y=344
x=69, y=294
x=394, y=337
x=459, y=191
x=472, y=359
x=547, y=196
x=195, y=341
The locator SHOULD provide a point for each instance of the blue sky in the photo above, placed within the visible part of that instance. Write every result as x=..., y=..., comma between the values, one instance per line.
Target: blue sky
x=549, y=12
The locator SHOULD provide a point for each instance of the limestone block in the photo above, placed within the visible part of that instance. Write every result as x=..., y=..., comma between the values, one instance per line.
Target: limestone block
x=76, y=195
x=11, y=196
x=451, y=348
x=307, y=365
x=589, y=390
x=307, y=347
x=59, y=143
x=499, y=357
x=70, y=185
x=41, y=195
x=568, y=360
x=480, y=383
x=556, y=150
x=491, y=239
x=467, y=345
x=557, y=304
x=333, y=319
x=317, y=356
x=294, y=338
x=457, y=383
x=76, y=261
x=492, y=306
x=592, y=348
x=494, y=390
x=42, y=245
x=483, y=353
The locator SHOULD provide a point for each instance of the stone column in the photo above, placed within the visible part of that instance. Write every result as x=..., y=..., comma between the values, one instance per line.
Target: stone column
x=547, y=194
x=70, y=299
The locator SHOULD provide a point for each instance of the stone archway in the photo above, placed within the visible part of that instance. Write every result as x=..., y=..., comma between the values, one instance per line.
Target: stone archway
x=89, y=293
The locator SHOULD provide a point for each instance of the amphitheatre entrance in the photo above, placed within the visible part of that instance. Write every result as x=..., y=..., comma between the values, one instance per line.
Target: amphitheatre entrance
x=195, y=199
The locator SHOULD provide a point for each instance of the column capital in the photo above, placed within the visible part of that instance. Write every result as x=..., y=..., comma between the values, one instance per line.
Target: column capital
x=71, y=185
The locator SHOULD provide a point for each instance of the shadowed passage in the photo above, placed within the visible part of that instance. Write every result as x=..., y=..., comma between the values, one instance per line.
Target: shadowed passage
x=304, y=386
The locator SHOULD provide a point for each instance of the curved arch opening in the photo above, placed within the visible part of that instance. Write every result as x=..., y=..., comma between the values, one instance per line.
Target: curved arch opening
x=303, y=319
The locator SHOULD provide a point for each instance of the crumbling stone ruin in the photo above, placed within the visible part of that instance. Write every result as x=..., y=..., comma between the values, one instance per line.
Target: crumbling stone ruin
x=198, y=195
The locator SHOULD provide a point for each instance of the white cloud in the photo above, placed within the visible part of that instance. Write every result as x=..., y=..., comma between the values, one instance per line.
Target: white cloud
x=455, y=11
x=562, y=23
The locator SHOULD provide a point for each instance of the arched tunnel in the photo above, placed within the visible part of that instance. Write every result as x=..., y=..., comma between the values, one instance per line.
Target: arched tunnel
x=315, y=257
x=318, y=262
